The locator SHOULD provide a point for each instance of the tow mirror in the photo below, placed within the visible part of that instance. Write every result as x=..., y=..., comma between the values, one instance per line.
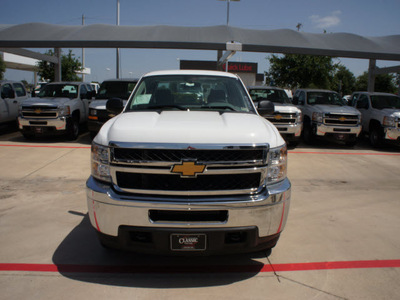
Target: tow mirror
x=114, y=106
x=266, y=107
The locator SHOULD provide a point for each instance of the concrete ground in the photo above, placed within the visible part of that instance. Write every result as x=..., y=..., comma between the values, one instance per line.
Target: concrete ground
x=341, y=241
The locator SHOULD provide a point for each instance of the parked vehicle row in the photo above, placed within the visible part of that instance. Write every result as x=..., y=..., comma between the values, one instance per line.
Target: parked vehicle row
x=60, y=108
x=323, y=114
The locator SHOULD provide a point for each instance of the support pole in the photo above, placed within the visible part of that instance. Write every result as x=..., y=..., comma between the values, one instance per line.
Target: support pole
x=371, y=75
x=57, y=66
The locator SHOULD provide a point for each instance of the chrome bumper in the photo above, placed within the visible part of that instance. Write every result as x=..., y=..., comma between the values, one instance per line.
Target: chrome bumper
x=108, y=210
x=392, y=133
x=59, y=123
x=322, y=129
x=294, y=129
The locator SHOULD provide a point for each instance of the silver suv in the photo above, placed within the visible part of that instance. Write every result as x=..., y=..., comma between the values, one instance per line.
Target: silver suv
x=326, y=115
x=380, y=116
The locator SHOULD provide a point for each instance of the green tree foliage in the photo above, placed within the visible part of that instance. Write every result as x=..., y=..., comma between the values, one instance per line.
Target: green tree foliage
x=69, y=66
x=385, y=83
x=301, y=71
x=344, y=81
x=2, y=67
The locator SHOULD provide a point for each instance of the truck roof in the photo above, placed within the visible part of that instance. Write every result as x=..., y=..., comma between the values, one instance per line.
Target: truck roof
x=191, y=72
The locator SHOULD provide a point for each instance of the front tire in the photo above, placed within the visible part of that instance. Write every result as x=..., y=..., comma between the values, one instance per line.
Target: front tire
x=73, y=129
x=376, y=137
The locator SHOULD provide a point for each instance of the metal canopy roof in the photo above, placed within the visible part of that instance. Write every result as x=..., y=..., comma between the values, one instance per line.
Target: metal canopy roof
x=40, y=35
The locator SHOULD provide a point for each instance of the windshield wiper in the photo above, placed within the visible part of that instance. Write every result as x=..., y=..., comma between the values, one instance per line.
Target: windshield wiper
x=166, y=106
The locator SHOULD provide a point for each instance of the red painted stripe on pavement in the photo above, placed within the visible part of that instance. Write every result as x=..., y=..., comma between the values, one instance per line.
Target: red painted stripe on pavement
x=261, y=268
x=343, y=153
x=45, y=146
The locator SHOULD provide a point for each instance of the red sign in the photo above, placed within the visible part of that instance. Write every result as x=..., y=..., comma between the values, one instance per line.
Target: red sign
x=241, y=67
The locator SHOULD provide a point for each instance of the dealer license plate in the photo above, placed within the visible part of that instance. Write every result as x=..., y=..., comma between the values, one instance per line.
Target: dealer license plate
x=38, y=130
x=188, y=242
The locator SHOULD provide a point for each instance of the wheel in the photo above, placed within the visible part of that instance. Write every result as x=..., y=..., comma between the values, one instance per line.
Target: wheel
x=376, y=136
x=308, y=134
x=73, y=129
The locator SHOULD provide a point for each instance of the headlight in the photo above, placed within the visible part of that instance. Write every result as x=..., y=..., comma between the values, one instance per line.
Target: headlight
x=93, y=114
x=317, y=117
x=64, y=111
x=389, y=121
x=277, y=164
x=299, y=117
x=100, y=162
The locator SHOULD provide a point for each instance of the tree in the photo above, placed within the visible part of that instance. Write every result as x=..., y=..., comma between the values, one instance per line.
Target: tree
x=2, y=67
x=301, y=71
x=343, y=81
x=69, y=66
x=383, y=83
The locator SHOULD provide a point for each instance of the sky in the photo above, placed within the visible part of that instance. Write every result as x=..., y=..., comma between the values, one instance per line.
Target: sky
x=362, y=17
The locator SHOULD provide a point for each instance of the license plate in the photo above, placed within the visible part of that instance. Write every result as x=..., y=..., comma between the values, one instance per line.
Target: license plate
x=341, y=137
x=38, y=130
x=188, y=242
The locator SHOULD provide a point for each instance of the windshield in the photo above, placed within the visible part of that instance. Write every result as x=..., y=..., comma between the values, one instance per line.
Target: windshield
x=329, y=98
x=190, y=92
x=59, y=91
x=385, y=101
x=116, y=89
x=273, y=95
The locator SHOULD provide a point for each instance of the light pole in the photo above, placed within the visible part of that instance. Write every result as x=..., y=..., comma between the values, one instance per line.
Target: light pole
x=227, y=9
x=117, y=48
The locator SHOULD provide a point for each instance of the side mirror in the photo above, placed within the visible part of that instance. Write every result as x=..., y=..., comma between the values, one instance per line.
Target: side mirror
x=266, y=107
x=114, y=106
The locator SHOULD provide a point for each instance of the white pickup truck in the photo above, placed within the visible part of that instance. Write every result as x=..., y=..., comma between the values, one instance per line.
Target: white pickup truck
x=287, y=118
x=59, y=109
x=380, y=116
x=326, y=115
x=189, y=167
x=12, y=93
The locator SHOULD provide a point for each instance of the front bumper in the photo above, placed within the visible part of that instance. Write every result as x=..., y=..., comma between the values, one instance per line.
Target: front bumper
x=266, y=213
x=322, y=129
x=392, y=133
x=292, y=131
x=58, y=124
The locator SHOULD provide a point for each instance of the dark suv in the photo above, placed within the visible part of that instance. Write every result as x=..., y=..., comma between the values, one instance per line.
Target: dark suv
x=113, y=88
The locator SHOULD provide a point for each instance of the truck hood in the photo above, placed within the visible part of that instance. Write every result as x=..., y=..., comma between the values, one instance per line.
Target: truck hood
x=286, y=108
x=391, y=112
x=189, y=127
x=336, y=109
x=51, y=102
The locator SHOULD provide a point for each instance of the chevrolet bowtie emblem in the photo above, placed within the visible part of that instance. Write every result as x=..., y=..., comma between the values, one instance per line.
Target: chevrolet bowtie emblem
x=188, y=169
x=38, y=110
x=342, y=119
x=278, y=117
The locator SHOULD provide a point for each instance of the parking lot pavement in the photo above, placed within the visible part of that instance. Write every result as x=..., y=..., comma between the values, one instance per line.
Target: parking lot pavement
x=341, y=240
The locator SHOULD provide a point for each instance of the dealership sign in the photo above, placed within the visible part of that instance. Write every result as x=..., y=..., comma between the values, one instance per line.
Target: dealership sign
x=241, y=67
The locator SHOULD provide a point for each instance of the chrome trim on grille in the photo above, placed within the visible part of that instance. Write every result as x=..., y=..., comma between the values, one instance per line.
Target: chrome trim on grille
x=214, y=167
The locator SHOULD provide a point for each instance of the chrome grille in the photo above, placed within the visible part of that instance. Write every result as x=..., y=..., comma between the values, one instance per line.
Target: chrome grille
x=341, y=119
x=282, y=118
x=146, y=169
x=39, y=112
